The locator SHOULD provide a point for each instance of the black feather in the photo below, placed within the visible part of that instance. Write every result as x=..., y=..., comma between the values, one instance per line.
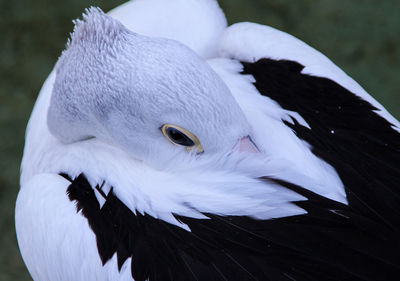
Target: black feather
x=331, y=242
x=345, y=131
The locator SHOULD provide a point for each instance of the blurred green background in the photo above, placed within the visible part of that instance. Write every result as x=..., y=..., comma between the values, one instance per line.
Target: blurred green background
x=361, y=36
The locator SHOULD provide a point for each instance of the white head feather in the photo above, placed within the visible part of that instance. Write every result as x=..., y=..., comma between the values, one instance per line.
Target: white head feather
x=121, y=87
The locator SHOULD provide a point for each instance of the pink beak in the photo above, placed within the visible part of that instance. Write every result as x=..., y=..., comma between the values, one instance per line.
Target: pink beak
x=246, y=144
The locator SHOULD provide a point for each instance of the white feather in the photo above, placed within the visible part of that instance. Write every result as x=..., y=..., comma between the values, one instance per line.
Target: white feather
x=250, y=42
x=289, y=157
x=196, y=23
x=50, y=230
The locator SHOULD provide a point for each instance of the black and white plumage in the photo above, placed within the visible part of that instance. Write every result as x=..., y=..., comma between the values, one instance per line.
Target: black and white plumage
x=297, y=177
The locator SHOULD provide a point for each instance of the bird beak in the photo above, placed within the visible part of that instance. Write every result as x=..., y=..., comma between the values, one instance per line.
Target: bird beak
x=246, y=144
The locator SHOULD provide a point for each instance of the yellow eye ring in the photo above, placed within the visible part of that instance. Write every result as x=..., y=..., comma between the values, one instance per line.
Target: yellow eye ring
x=180, y=136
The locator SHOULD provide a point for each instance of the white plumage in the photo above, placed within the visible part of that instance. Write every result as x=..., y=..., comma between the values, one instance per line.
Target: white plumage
x=99, y=114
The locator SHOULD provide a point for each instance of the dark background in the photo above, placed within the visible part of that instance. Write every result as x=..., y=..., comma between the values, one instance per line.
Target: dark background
x=361, y=36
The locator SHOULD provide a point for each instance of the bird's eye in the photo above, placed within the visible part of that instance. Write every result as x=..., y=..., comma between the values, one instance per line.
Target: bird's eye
x=181, y=136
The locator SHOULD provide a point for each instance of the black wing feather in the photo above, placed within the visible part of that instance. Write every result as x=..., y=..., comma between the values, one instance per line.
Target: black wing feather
x=345, y=131
x=329, y=243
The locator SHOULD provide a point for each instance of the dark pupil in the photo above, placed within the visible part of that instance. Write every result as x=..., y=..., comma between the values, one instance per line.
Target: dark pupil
x=178, y=137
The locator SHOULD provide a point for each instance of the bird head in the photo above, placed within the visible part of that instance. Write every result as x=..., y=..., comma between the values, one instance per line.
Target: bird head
x=154, y=98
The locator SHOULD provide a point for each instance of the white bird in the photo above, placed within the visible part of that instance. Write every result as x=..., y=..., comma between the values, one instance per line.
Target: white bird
x=168, y=146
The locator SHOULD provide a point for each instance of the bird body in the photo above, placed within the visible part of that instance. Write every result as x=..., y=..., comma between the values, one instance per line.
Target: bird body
x=167, y=146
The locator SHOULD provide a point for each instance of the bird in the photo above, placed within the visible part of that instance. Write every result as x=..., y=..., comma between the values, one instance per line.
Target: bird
x=166, y=145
